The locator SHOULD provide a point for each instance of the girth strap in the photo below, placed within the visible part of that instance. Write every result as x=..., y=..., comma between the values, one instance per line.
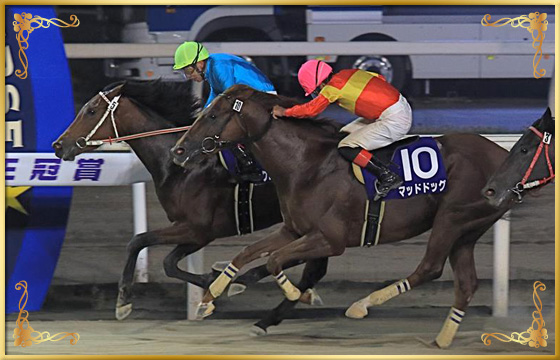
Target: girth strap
x=244, y=208
x=372, y=223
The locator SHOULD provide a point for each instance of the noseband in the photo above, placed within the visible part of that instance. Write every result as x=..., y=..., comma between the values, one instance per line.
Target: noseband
x=523, y=184
x=212, y=143
x=113, y=104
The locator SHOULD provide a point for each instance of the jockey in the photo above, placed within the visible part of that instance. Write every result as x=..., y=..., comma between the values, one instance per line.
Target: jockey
x=384, y=114
x=222, y=71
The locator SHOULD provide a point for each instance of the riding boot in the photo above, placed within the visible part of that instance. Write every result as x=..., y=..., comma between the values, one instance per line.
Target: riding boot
x=387, y=180
x=248, y=170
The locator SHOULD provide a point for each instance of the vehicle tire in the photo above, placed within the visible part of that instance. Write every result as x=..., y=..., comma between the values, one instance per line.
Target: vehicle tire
x=396, y=69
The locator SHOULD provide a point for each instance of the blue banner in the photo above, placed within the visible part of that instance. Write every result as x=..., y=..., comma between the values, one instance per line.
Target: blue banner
x=39, y=108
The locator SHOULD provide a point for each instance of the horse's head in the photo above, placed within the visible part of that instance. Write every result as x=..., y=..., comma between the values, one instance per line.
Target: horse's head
x=530, y=164
x=95, y=120
x=233, y=117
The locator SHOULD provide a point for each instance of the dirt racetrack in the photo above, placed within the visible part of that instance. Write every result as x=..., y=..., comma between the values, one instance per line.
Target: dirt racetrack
x=83, y=292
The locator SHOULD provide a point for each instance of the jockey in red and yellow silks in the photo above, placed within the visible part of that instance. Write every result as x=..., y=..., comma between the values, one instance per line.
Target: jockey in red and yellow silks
x=384, y=114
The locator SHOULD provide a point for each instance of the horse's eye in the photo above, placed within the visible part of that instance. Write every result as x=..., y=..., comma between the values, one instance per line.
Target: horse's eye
x=91, y=112
x=212, y=116
x=524, y=150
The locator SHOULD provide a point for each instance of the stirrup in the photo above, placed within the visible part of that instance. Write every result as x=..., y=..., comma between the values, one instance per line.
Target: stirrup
x=382, y=193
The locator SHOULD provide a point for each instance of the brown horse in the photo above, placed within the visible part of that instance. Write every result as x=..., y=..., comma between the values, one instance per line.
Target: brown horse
x=529, y=165
x=323, y=205
x=199, y=203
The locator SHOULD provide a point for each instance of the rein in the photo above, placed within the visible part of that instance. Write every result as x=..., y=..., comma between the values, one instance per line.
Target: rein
x=523, y=184
x=82, y=142
x=213, y=143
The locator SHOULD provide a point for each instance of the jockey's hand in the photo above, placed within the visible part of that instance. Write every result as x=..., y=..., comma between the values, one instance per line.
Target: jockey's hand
x=278, y=111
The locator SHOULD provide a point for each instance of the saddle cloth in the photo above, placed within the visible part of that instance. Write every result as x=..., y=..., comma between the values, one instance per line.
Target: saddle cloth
x=229, y=162
x=417, y=160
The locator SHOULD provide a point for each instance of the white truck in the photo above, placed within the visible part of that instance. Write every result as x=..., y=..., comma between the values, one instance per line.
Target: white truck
x=175, y=24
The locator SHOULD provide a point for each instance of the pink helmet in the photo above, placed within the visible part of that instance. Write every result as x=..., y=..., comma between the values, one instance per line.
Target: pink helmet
x=312, y=73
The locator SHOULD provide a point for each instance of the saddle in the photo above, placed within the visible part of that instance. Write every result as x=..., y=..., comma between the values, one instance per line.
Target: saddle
x=418, y=162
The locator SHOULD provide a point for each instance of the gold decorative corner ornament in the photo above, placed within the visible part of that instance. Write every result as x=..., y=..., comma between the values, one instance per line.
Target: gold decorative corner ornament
x=535, y=336
x=25, y=335
x=24, y=26
x=534, y=23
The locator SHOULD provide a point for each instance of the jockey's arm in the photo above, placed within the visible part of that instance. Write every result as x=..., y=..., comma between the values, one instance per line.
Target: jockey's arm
x=221, y=78
x=211, y=97
x=309, y=109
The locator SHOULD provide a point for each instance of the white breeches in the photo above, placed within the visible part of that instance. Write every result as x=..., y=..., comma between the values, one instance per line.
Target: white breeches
x=393, y=124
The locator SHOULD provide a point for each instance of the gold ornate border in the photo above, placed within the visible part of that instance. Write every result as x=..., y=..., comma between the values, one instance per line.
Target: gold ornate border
x=23, y=26
x=23, y=333
x=535, y=336
x=536, y=23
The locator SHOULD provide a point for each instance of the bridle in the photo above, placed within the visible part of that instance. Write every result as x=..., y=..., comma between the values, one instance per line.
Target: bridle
x=212, y=143
x=82, y=142
x=523, y=185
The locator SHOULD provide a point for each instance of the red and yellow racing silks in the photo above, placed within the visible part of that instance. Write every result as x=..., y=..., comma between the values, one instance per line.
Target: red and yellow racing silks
x=363, y=93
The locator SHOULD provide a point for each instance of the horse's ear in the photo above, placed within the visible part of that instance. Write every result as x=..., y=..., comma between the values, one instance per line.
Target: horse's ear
x=547, y=114
x=548, y=121
x=120, y=88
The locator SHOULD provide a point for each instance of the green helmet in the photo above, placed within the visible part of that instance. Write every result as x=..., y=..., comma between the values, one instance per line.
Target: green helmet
x=189, y=53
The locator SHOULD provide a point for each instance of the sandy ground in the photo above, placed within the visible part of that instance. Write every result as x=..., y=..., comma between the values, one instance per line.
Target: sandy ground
x=370, y=336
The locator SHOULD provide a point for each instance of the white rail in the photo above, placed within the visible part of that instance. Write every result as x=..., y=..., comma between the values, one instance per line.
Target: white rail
x=128, y=50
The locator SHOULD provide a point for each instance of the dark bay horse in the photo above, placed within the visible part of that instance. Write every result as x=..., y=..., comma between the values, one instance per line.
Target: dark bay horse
x=199, y=203
x=529, y=165
x=323, y=205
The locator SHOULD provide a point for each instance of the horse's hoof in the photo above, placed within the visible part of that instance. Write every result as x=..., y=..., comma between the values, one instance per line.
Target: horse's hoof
x=315, y=298
x=220, y=266
x=257, y=331
x=236, y=289
x=122, y=311
x=204, y=309
x=293, y=294
x=442, y=343
x=358, y=310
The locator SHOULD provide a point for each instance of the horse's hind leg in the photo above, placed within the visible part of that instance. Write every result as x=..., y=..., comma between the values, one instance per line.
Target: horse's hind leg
x=312, y=273
x=444, y=234
x=466, y=283
x=167, y=236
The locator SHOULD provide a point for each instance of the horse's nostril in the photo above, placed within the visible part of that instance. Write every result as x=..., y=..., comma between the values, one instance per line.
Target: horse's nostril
x=490, y=192
x=57, y=146
x=179, y=151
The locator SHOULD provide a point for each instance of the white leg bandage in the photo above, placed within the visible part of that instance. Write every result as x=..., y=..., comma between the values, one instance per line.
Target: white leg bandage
x=290, y=291
x=380, y=296
x=223, y=280
x=359, y=310
x=450, y=327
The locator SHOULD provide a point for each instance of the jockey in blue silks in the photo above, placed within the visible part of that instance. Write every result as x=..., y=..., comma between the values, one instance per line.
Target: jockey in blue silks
x=222, y=71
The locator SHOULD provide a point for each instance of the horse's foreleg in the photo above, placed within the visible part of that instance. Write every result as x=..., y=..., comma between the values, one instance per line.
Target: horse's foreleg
x=171, y=261
x=312, y=273
x=308, y=247
x=466, y=283
x=138, y=242
x=252, y=252
x=168, y=236
x=253, y=276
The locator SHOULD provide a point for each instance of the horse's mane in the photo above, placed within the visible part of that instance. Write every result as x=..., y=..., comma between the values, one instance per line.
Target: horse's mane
x=328, y=127
x=170, y=100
